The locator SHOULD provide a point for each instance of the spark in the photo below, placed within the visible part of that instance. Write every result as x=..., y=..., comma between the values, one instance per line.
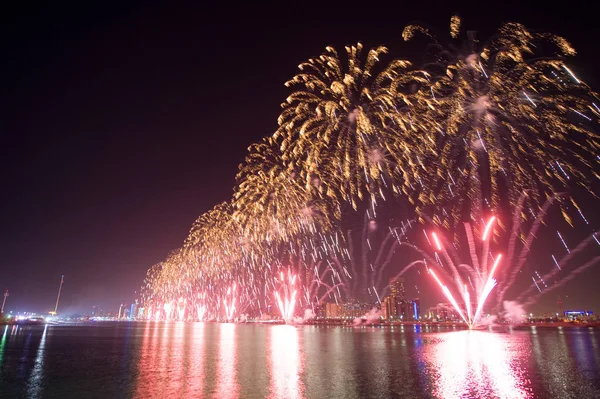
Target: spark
x=582, y=115
x=556, y=262
x=437, y=241
x=563, y=241
x=427, y=237
x=449, y=296
x=530, y=100
x=571, y=73
x=536, y=284
x=488, y=226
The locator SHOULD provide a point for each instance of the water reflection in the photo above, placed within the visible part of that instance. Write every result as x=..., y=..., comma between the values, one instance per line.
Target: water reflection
x=145, y=365
x=285, y=362
x=23, y=363
x=176, y=364
x=196, y=365
x=171, y=360
x=582, y=351
x=476, y=364
x=565, y=369
x=227, y=384
x=2, y=343
x=190, y=360
x=34, y=384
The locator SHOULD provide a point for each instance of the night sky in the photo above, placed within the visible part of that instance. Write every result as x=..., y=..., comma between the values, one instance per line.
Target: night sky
x=121, y=124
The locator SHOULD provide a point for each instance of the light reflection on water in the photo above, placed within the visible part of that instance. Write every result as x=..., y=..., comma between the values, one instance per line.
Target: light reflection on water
x=285, y=360
x=227, y=385
x=35, y=378
x=172, y=360
x=477, y=364
x=196, y=364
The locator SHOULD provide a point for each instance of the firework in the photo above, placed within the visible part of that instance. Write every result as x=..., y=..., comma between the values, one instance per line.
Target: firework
x=507, y=120
x=229, y=303
x=269, y=203
x=522, y=239
x=287, y=299
x=478, y=127
x=345, y=126
x=476, y=279
x=482, y=281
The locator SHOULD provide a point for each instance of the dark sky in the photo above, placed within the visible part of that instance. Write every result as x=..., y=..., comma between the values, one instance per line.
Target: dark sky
x=120, y=124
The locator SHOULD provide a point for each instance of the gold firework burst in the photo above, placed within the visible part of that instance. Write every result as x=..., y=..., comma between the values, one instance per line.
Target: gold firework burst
x=507, y=120
x=349, y=126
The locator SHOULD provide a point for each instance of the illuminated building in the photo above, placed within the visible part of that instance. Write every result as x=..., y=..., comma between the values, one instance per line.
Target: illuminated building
x=354, y=309
x=334, y=311
x=132, y=310
x=395, y=306
x=416, y=309
x=397, y=289
x=580, y=315
x=319, y=309
x=388, y=308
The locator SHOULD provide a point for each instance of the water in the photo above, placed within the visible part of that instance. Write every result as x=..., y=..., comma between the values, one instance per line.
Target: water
x=187, y=360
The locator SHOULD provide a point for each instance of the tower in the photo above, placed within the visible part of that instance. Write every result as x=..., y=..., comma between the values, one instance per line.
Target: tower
x=4, y=302
x=561, y=309
x=62, y=280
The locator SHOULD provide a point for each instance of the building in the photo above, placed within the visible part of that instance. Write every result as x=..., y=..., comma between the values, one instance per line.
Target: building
x=579, y=315
x=397, y=289
x=403, y=310
x=319, y=309
x=132, y=310
x=354, y=308
x=445, y=312
x=334, y=311
x=388, y=308
x=398, y=294
x=349, y=310
x=412, y=310
x=396, y=306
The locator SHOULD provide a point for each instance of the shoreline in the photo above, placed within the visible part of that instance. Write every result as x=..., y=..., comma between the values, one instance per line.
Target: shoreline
x=344, y=323
x=341, y=323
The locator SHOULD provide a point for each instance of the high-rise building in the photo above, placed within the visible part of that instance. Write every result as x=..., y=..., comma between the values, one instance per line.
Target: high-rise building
x=410, y=310
x=416, y=308
x=397, y=297
x=132, y=310
x=397, y=289
x=388, y=308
